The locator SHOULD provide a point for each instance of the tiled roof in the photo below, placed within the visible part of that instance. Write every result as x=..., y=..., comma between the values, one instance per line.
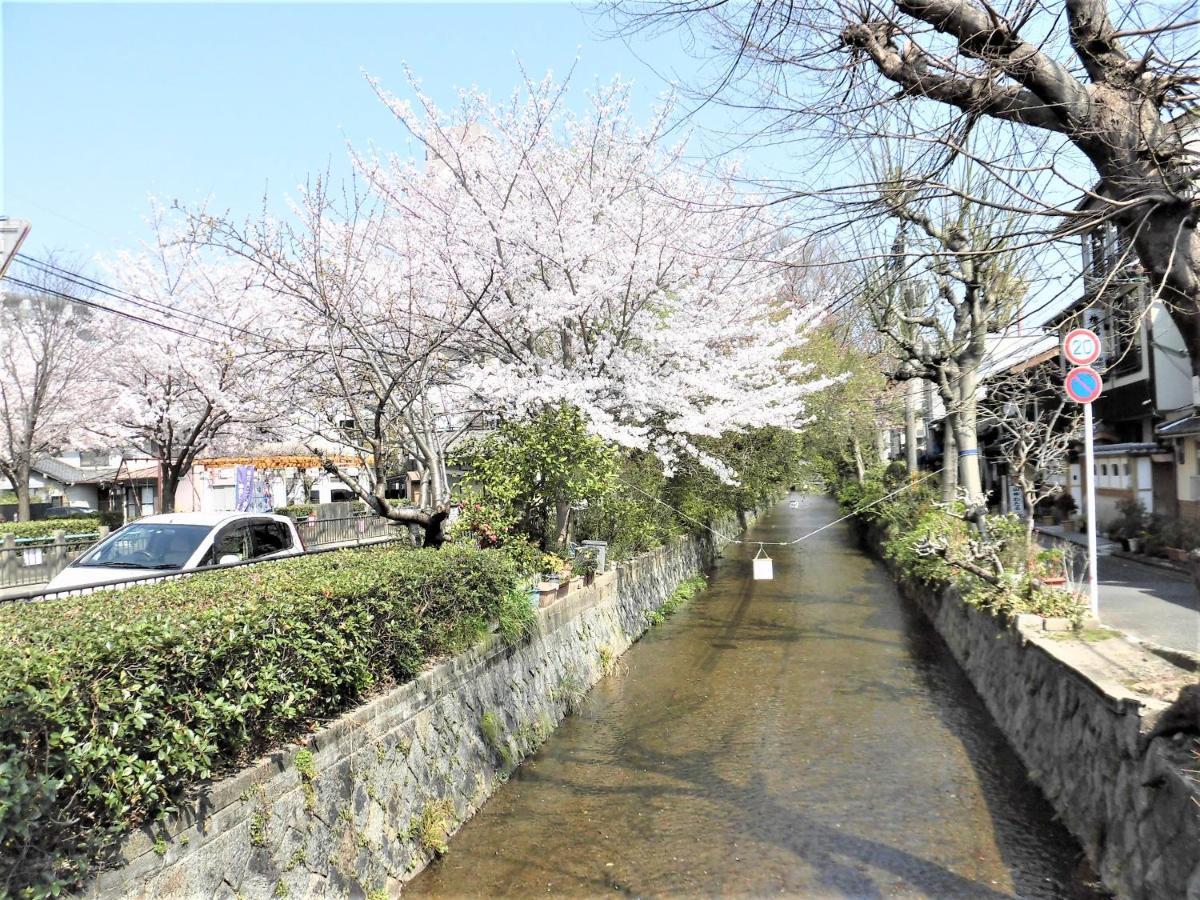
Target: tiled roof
x=1181, y=428
x=61, y=472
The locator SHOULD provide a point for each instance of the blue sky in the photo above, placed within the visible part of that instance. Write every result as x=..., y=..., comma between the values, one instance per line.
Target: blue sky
x=106, y=104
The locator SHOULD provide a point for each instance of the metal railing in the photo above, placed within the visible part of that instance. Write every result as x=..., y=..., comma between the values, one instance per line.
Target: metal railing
x=346, y=531
x=25, y=562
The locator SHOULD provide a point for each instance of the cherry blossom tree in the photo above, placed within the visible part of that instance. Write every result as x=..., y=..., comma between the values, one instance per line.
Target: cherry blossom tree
x=533, y=258
x=373, y=315
x=606, y=272
x=48, y=349
x=202, y=382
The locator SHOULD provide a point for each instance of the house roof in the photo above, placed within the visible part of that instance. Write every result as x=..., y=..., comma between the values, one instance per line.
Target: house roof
x=1128, y=449
x=1180, y=428
x=1007, y=352
x=62, y=472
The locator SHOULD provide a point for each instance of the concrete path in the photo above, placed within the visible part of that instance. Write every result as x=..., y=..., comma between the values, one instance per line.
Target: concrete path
x=1143, y=600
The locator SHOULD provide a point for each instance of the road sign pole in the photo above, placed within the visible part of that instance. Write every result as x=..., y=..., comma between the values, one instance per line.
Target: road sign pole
x=1090, y=468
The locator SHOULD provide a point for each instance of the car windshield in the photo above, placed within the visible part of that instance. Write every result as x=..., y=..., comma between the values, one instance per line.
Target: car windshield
x=147, y=546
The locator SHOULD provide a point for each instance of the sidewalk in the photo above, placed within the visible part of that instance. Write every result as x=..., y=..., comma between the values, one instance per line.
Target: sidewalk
x=1144, y=600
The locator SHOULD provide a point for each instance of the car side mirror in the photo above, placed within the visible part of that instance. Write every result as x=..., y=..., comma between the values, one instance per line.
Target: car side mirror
x=229, y=558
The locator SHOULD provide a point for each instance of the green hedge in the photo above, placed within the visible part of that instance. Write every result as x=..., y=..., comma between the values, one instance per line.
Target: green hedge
x=296, y=511
x=47, y=527
x=113, y=704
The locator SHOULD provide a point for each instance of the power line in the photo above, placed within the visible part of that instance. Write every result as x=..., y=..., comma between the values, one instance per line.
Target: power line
x=92, y=304
x=90, y=283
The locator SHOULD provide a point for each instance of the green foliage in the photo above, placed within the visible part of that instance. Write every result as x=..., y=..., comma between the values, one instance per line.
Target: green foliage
x=46, y=527
x=114, y=703
x=586, y=562
x=844, y=412
x=1131, y=520
x=296, y=511
x=431, y=829
x=937, y=546
x=515, y=615
x=683, y=593
x=518, y=475
x=489, y=727
x=629, y=518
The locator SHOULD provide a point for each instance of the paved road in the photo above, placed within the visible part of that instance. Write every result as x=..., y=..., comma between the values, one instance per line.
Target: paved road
x=1150, y=603
x=1145, y=601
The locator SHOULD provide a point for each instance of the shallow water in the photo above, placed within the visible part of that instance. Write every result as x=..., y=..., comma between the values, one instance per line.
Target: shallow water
x=808, y=736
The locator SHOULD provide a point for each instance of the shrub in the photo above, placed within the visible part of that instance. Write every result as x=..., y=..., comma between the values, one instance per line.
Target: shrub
x=1130, y=522
x=113, y=704
x=296, y=511
x=46, y=527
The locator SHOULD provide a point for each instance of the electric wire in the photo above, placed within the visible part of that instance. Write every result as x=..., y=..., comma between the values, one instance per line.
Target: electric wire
x=906, y=486
x=124, y=314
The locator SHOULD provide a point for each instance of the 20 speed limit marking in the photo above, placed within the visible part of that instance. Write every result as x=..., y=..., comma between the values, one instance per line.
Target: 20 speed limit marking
x=1081, y=347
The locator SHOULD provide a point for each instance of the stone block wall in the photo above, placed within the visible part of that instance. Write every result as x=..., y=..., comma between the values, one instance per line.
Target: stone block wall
x=1133, y=804
x=364, y=804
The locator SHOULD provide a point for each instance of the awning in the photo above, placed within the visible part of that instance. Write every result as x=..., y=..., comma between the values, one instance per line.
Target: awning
x=1129, y=449
x=1182, y=428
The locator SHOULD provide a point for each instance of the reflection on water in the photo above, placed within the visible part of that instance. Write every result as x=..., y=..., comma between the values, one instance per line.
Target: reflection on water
x=807, y=735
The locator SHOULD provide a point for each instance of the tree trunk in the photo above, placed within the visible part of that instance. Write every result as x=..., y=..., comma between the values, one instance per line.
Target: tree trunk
x=910, y=425
x=169, y=484
x=562, y=522
x=967, y=440
x=949, y=469
x=22, y=488
x=859, y=467
x=435, y=531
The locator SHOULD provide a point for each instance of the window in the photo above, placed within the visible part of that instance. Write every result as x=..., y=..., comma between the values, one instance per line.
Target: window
x=233, y=541
x=270, y=537
x=93, y=459
x=314, y=496
x=223, y=497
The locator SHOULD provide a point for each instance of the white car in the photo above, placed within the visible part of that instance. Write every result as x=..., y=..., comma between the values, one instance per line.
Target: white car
x=175, y=542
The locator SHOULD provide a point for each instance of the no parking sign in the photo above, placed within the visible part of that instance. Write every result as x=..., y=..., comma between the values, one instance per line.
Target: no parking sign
x=1083, y=384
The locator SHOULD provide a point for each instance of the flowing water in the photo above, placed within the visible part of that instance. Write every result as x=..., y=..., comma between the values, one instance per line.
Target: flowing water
x=808, y=736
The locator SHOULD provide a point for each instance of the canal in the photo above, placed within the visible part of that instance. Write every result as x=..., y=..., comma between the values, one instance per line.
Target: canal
x=808, y=736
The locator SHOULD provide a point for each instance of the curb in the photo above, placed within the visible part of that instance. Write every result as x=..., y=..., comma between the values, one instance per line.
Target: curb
x=1151, y=562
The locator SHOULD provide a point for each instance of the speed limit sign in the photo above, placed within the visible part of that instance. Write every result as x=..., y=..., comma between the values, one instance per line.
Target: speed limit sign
x=1081, y=347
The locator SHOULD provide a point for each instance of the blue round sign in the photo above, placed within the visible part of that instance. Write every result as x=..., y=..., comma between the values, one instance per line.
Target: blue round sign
x=1083, y=384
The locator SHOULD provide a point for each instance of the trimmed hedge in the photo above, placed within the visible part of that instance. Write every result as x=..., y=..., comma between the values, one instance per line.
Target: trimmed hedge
x=47, y=527
x=112, y=705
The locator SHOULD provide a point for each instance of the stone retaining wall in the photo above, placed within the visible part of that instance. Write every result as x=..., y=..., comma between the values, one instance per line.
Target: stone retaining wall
x=1133, y=804
x=364, y=805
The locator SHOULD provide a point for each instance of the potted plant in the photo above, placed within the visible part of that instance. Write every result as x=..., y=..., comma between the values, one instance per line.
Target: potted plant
x=1064, y=506
x=586, y=564
x=1180, y=539
x=1051, y=567
x=565, y=572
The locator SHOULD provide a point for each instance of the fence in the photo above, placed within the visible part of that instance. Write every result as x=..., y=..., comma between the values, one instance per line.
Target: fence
x=346, y=531
x=26, y=562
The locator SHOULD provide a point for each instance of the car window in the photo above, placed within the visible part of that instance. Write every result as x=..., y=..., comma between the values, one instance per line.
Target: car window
x=147, y=546
x=233, y=541
x=270, y=537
